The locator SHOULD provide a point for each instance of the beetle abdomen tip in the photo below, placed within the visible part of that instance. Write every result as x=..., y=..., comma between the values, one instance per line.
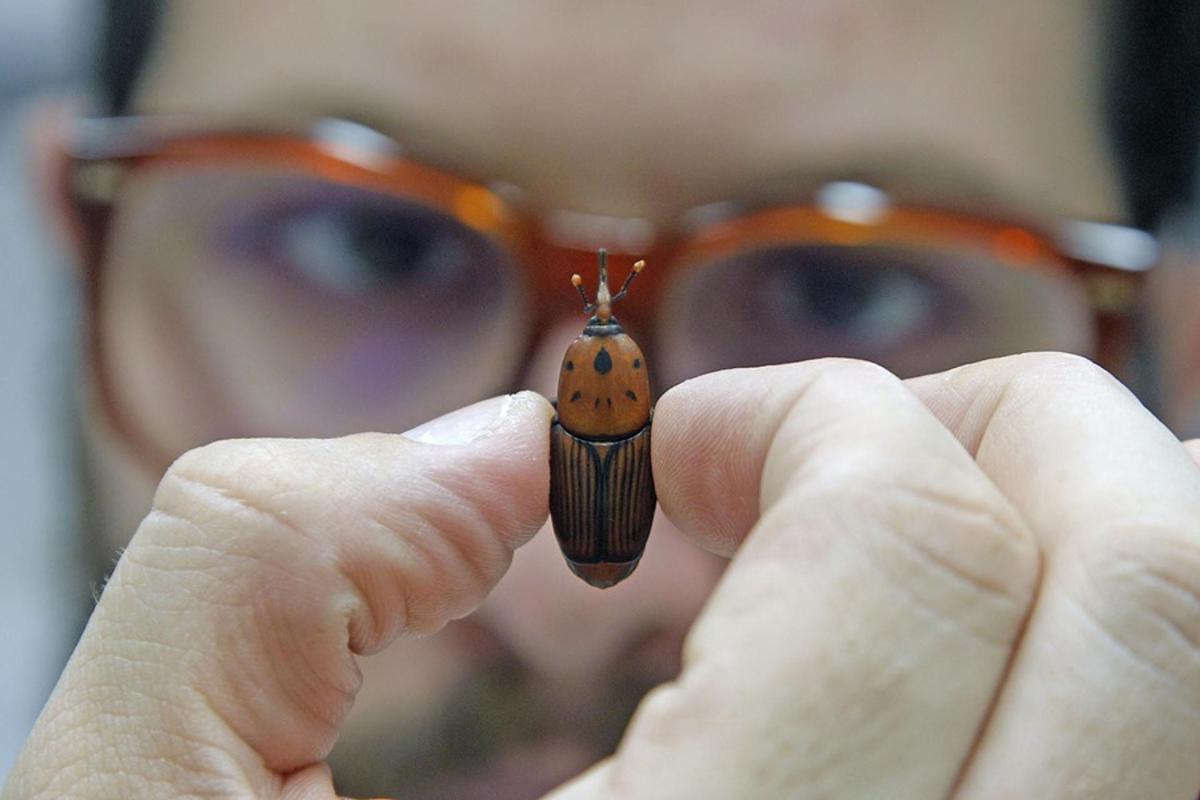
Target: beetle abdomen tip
x=603, y=574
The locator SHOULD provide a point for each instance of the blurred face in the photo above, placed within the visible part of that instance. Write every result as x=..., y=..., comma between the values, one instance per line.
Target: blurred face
x=267, y=303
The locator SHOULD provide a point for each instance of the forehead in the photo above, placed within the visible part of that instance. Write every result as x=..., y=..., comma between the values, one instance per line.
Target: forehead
x=652, y=107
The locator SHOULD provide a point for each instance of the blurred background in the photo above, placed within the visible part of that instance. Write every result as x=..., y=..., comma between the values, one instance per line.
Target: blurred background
x=43, y=44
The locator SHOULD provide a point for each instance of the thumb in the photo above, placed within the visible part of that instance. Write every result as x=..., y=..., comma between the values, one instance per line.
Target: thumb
x=220, y=657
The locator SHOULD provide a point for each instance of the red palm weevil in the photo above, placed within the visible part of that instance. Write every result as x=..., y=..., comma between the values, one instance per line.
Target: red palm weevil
x=601, y=487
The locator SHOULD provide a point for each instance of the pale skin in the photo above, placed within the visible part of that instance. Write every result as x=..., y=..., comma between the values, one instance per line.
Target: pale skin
x=909, y=611
x=979, y=584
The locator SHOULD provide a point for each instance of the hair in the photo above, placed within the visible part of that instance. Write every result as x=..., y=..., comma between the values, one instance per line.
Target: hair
x=126, y=33
x=1151, y=90
x=1152, y=102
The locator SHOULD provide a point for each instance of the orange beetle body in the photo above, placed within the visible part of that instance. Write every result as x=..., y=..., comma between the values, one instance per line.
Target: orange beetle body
x=601, y=488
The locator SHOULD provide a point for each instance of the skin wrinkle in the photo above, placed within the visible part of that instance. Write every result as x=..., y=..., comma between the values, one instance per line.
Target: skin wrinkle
x=472, y=515
x=448, y=559
x=218, y=558
x=464, y=514
x=358, y=570
x=886, y=568
x=123, y=686
x=234, y=497
x=301, y=696
x=850, y=469
x=1172, y=585
x=977, y=512
x=312, y=689
x=1121, y=646
x=140, y=556
x=1114, y=576
x=281, y=518
x=220, y=752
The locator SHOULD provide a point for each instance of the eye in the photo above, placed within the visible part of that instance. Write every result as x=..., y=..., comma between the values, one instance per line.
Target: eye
x=351, y=242
x=852, y=301
x=787, y=303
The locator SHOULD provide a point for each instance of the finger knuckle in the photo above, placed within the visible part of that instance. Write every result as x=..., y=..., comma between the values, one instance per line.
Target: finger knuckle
x=221, y=466
x=1053, y=367
x=850, y=373
x=1142, y=588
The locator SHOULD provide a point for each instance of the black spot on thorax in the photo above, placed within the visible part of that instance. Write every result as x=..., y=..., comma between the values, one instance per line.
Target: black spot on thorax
x=603, y=362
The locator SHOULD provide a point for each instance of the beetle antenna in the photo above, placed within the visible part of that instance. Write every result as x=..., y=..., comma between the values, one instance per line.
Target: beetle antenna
x=633, y=273
x=577, y=282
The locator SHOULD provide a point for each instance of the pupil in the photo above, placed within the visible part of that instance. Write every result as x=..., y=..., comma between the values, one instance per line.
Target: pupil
x=388, y=248
x=842, y=293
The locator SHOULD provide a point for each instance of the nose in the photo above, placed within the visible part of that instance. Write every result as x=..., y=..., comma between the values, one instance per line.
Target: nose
x=561, y=627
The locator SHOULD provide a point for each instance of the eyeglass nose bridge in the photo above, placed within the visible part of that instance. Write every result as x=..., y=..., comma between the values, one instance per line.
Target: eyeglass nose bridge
x=566, y=243
x=575, y=230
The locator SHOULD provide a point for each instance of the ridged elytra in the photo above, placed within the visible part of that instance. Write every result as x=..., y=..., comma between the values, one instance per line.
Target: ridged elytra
x=601, y=487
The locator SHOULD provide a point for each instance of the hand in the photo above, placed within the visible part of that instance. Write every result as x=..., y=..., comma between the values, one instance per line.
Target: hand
x=978, y=584
x=904, y=619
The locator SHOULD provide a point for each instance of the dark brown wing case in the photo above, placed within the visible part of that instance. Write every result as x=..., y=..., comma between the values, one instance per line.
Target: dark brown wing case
x=601, y=502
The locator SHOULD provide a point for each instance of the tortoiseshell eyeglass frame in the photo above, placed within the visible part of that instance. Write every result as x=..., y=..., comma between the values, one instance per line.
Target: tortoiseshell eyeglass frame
x=1110, y=261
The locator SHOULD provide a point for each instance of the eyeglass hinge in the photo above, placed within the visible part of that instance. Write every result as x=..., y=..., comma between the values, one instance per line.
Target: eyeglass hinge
x=97, y=182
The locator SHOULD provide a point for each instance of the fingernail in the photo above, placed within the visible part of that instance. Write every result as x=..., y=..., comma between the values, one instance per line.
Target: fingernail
x=465, y=425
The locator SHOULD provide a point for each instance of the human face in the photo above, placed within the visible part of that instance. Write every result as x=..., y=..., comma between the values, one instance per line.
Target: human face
x=629, y=110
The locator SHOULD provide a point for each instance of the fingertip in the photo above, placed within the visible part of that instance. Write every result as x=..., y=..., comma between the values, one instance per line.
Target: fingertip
x=519, y=413
x=1193, y=448
x=502, y=472
x=708, y=450
x=530, y=408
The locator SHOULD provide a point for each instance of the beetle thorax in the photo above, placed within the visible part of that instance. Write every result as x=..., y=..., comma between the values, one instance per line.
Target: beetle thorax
x=603, y=387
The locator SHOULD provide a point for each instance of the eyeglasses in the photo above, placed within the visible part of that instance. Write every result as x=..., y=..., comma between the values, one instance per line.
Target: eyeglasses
x=245, y=282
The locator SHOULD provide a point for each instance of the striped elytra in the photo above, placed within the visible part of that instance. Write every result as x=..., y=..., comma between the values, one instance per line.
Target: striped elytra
x=601, y=503
x=601, y=487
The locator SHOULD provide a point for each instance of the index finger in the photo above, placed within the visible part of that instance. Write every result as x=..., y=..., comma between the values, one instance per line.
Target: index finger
x=853, y=646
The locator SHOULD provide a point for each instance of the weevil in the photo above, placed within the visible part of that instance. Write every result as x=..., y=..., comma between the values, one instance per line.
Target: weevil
x=601, y=487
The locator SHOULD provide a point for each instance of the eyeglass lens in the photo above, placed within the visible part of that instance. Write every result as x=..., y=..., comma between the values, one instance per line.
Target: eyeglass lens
x=250, y=300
